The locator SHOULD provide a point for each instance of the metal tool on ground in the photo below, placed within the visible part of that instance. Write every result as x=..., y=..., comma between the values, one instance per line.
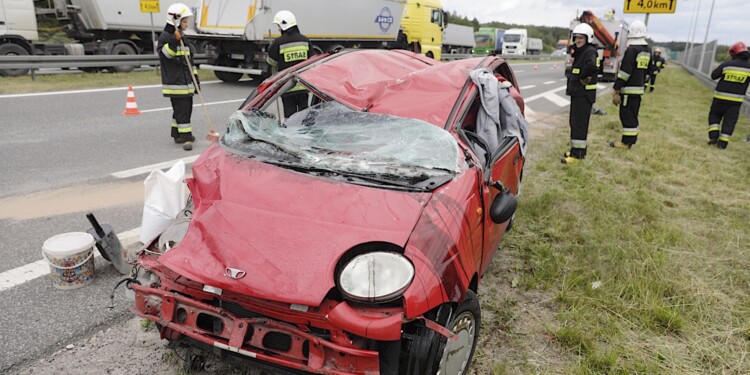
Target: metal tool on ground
x=212, y=135
x=108, y=244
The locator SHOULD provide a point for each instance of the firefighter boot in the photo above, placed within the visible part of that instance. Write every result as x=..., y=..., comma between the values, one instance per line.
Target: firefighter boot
x=722, y=144
x=187, y=146
x=713, y=141
x=570, y=160
x=619, y=144
x=175, y=134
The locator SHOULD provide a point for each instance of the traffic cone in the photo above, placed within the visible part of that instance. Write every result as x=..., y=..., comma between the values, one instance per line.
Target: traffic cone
x=554, y=66
x=536, y=67
x=131, y=107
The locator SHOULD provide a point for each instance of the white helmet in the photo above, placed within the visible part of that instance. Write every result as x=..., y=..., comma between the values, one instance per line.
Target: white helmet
x=584, y=29
x=285, y=19
x=176, y=12
x=637, y=30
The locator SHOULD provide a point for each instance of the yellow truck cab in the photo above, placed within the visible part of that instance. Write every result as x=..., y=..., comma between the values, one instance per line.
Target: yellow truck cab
x=422, y=23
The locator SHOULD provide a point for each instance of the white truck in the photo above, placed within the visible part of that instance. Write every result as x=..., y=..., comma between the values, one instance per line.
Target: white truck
x=534, y=47
x=515, y=42
x=233, y=33
x=458, y=39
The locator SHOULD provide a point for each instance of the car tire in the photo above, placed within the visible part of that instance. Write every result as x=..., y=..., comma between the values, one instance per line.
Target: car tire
x=10, y=49
x=465, y=323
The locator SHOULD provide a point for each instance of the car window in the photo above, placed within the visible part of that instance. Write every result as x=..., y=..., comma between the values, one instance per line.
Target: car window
x=333, y=137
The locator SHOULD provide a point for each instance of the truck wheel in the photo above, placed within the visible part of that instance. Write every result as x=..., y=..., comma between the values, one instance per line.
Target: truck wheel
x=227, y=76
x=430, y=55
x=123, y=49
x=335, y=48
x=10, y=49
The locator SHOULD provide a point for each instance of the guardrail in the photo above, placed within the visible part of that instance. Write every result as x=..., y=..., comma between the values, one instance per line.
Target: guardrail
x=82, y=61
x=706, y=80
x=454, y=56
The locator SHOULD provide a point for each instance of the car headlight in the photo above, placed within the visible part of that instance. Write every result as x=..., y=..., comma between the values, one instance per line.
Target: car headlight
x=376, y=277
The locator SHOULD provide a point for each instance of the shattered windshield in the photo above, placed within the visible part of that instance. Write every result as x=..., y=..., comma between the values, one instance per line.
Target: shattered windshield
x=333, y=138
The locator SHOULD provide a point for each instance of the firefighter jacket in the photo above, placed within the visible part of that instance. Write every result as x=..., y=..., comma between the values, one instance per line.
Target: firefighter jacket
x=633, y=68
x=289, y=49
x=585, y=65
x=733, y=78
x=175, y=74
x=657, y=62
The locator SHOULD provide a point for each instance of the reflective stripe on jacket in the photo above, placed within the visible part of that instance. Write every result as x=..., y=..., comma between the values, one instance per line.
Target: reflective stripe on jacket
x=734, y=78
x=289, y=49
x=175, y=73
x=633, y=68
x=585, y=65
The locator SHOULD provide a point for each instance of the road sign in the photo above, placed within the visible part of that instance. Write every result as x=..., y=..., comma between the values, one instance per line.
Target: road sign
x=150, y=6
x=648, y=6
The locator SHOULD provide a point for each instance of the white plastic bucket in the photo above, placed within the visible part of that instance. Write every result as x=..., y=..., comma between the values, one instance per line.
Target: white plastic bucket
x=71, y=259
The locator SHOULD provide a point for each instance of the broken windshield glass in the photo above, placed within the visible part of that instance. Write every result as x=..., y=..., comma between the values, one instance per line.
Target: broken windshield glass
x=332, y=137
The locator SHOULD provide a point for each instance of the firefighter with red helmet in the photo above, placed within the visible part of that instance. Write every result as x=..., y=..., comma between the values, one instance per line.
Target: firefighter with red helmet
x=733, y=76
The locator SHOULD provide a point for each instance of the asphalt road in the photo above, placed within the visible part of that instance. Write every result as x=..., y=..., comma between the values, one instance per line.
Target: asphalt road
x=62, y=149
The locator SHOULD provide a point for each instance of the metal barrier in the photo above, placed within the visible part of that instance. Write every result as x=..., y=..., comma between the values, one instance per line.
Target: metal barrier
x=453, y=56
x=82, y=61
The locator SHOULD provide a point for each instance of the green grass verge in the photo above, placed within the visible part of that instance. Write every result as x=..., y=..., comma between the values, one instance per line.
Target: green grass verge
x=60, y=82
x=664, y=227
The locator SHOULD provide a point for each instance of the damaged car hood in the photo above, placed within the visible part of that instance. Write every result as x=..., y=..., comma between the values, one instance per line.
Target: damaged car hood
x=286, y=230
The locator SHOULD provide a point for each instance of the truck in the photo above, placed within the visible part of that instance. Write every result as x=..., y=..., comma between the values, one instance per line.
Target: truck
x=610, y=39
x=489, y=40
x=234, y=34
x=534, y=46
x=515, y=42
x=458, y=39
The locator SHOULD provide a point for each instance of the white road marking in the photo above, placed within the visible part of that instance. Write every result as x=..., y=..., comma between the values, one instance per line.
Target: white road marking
x=31, y=271
x=88, y=91
x=519, y=71
x=194, y=105
x=549, y=82
x=542, y=95
x=528, y=87
x=152, y=167
x=563, y=79
x=558, y=100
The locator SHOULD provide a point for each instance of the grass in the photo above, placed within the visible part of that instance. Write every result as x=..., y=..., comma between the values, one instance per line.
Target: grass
x=664, y=227
x=59, y=82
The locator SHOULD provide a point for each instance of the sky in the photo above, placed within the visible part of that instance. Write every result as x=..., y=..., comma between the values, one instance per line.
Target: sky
x=729, y=22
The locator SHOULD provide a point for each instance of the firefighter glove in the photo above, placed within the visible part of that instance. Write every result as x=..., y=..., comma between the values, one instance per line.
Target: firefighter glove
x=585, y=81
x=616, y=98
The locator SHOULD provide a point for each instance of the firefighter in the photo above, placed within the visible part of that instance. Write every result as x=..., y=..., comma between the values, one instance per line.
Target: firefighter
x=290, y=49
x=630, y=82
x=177, y=83
x=582, y=90
x=657, y=62
x=729, y=95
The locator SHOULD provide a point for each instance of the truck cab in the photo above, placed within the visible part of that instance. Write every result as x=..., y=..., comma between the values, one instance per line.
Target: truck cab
x=422, y=23
x=487, y=42
x=515, y=42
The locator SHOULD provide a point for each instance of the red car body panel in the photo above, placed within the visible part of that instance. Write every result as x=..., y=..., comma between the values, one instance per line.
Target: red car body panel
x=289, y=230
x=285, y=229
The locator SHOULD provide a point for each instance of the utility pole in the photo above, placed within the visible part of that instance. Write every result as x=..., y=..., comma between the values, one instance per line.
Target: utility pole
x=705, y=39
x=695, y=27
x=646, y=21
x=687, y=40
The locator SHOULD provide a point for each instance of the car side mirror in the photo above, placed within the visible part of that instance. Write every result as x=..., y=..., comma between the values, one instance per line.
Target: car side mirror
x=503, y=206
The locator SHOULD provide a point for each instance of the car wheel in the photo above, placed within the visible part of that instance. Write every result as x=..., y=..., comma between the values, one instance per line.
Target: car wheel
x=123, y=49
x=10, y=49
x=465, y=323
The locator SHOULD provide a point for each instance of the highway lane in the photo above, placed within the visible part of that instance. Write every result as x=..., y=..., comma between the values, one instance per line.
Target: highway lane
x=65, y=148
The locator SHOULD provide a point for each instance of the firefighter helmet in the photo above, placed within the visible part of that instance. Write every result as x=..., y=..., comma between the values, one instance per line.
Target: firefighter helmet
x=176, y=12
x=285, y=19
x=658, y=50
x=737, y=48
x=586, y=30
x=637, y=30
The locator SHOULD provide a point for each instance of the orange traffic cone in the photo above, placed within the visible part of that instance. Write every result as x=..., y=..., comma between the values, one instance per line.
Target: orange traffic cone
x=131, y=107
x=536, y=67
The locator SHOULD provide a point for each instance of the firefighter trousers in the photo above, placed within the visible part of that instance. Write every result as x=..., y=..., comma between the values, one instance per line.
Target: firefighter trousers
x=652, y=78
x=182, y=111
x=727, y=111
x=580, y=114
x=630, y=105
x=294, y=102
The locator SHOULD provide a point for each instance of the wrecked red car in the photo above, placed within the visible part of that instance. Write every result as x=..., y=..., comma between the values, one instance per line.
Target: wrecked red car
x=350, y=238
